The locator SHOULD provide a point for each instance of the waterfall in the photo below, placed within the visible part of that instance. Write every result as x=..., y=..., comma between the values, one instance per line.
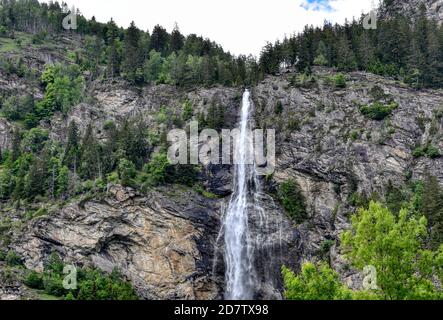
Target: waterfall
x=241, y=279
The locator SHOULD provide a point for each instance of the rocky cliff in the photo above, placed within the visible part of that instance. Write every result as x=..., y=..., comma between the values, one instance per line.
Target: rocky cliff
x=167, y=241
x=434, y=8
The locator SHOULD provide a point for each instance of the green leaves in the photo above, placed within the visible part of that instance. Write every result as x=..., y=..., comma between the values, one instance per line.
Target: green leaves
x=64, y=87
x=293, y=200
x=154, y=173
x=93, y=284
x=378, y=111
x=315, y=282
x=429, y=151
x=395, y=247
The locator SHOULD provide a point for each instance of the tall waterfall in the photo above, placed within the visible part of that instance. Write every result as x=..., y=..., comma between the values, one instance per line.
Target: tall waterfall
x=241, y=279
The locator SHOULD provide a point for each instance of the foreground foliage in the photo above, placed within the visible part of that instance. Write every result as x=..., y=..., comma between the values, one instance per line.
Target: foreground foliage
x=394, y=245
x=92, y=284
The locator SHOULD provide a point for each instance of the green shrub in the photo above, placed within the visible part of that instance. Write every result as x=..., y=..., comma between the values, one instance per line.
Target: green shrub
x=2, y=255
x=315, y=282
x=154, y=173
x=126, y=172
x=185, y=174
x=188, y=111
x=432, y=152
x=92, y=284
x=354, y=135
x=304, y=80
x=339, y=80
x=429, y=151
x=162, y=115
x=378, y=111
x=278, y=107
x=326, y=246
x=419, y=152
x=292, y=200
x=34, y=280
x=13, y=259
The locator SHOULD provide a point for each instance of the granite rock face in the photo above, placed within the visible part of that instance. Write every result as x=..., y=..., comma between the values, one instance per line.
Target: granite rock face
x=167, y=242
x=162, y=241
x=434, y=8
x=333, y=150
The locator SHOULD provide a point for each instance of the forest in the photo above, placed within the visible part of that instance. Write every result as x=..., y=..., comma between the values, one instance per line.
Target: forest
x=405, y=49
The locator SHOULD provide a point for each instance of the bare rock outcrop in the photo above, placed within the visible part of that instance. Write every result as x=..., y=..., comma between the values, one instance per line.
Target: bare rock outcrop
x=162, y=242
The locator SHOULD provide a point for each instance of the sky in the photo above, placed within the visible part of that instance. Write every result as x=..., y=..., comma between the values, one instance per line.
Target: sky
x=240, y=26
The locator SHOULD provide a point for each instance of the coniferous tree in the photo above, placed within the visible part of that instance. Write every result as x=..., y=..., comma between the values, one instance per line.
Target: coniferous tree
x=177, y=39
x=113, y=50
x=321, y=53
x=15, y=149
x=132, y=57
x=90, y=155
x=71, y=156
x=159, y=40
x=432, y=208
x=36, y=180
x=345, y=57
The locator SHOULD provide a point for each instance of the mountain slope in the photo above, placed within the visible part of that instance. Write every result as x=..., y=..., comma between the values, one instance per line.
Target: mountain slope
x=434, y=8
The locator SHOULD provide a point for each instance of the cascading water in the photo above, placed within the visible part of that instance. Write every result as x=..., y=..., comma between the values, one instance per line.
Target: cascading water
x=258, y=237
x=241, y=279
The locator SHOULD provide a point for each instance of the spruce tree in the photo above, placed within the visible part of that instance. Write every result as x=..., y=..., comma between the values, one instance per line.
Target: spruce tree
x=177, y=39
x=132, y=56
x=159, y=40
x=345, y=57
x=71, y=156
x=432, y=208
x=90, y=155
x=113, y=50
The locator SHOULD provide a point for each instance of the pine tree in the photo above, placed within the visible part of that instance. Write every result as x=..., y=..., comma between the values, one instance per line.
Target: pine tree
x=159, y=40
x=16, y=141
x=177, y=39
x=432, y=208
x=90, y=155
x=94, y=51
x=366, y=51
x=113, y=50
x=36, y=180
x=419, y=52
x=62, y=182
x=321, y=53
x=132, y=57
x=71, y=156
x=345, y=57
x=153, y=67
x=434, y=63
x=19, y=183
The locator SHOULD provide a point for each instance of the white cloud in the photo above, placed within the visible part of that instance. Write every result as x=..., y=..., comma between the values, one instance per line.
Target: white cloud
x=240, y=26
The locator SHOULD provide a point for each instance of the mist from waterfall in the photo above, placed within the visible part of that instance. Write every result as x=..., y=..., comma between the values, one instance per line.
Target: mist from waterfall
x=241, y=279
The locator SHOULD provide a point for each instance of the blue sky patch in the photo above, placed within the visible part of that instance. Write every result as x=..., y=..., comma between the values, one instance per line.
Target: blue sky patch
x=317, y=5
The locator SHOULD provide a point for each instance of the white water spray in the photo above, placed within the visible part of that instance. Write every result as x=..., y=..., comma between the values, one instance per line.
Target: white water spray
x=240, y=275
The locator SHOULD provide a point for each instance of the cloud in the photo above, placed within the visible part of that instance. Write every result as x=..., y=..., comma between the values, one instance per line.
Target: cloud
x=317, y=5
